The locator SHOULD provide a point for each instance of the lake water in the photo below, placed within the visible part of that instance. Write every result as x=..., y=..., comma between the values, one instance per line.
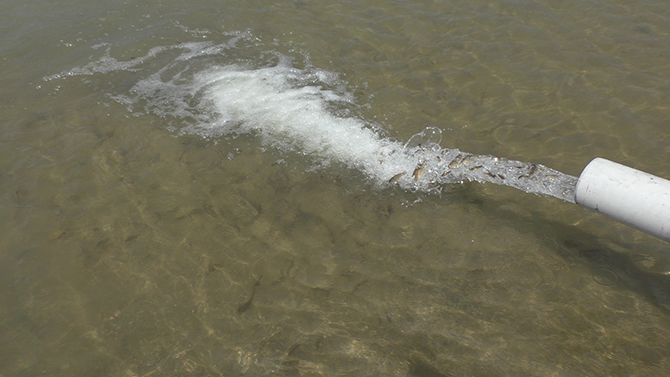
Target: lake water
x=254, y=188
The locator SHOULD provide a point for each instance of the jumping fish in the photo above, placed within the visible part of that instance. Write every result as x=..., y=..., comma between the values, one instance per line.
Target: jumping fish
x=397, y=177
x=460, y=159
x=419, y=170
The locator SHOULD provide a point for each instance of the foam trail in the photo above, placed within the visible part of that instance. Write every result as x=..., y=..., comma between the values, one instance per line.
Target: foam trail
x=305, y=111
x=276, y=103
x=267, y=101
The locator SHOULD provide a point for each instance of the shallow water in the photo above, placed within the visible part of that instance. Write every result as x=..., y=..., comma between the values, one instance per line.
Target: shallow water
x=156, y=223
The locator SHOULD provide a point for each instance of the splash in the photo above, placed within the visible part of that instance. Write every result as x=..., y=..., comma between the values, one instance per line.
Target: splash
x=290, y=110
x=306, y=111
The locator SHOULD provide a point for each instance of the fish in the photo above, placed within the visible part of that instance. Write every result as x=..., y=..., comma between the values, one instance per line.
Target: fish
x=419, y=170
x=397, y=177
x=456, y=161
x=459, y=160
x=533, y=169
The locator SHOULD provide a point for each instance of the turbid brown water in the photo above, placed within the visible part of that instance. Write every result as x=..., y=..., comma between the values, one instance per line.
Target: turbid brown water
x=155, y=224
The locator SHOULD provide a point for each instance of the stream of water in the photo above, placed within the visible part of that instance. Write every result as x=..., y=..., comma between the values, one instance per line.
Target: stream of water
x=305, y=111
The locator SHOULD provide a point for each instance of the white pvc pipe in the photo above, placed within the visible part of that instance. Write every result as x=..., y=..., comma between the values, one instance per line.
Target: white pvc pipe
x=624, y=194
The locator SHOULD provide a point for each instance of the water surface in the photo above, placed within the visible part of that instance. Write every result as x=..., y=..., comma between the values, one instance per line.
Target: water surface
x=156, y=223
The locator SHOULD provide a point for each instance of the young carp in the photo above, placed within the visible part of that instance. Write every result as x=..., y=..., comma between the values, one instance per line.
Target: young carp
x=397, y=177
x=459, y=160
x=419, y=170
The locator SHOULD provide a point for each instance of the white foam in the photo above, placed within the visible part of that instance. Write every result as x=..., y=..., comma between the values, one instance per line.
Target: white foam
x=303, y=111
x=267, y=101
x=275, y=103
x=189, y=50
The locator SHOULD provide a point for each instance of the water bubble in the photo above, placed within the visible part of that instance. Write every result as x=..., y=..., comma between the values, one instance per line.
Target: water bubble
x=429, y=138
